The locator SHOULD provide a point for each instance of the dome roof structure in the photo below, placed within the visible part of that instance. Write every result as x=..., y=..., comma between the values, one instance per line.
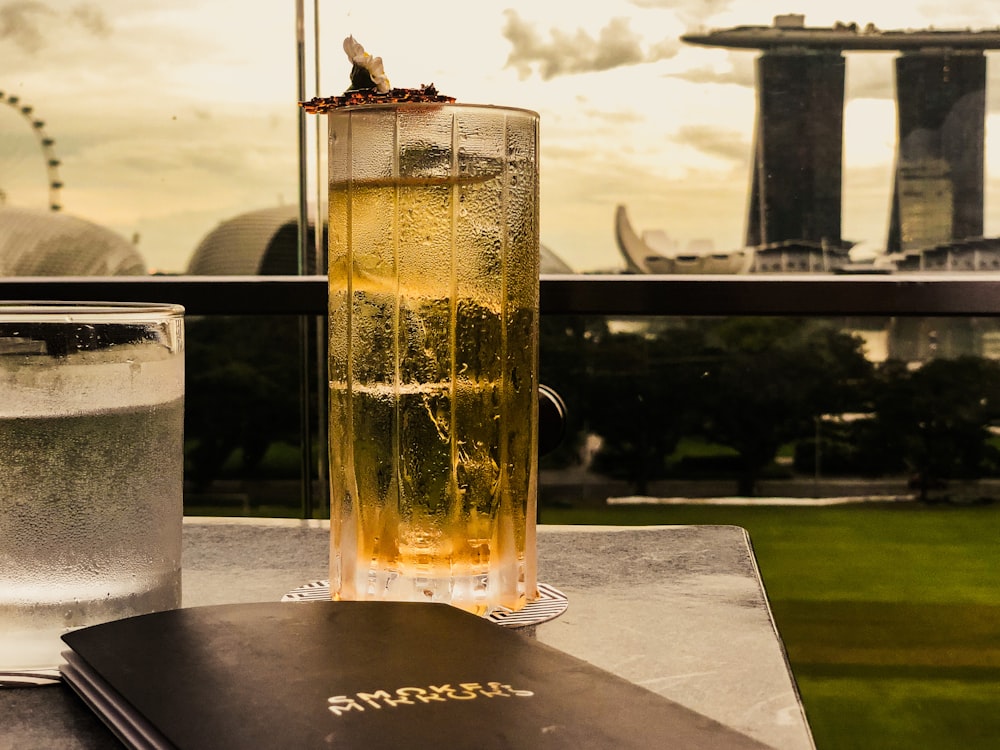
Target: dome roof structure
x=34, y=242
x=265, y=242
x=262, y=242
x=552, y=263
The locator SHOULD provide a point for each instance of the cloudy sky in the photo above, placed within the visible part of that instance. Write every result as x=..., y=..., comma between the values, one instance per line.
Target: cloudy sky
x=170, y=116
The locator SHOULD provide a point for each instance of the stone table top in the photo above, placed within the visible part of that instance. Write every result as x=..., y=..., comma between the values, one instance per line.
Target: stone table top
x=680, y=610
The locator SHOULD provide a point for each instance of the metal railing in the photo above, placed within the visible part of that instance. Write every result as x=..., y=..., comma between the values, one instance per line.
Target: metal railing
x=973, y=295
x=875, y=295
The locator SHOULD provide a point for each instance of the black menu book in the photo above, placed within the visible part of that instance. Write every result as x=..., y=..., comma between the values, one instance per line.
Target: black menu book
x=361, y=675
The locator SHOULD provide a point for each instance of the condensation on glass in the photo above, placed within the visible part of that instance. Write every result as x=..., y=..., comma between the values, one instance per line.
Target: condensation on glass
x=433, y=353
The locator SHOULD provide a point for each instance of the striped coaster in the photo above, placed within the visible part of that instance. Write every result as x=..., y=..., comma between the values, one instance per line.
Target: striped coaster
x=551, y=603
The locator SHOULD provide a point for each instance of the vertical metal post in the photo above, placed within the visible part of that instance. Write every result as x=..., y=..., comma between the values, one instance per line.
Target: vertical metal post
x=321, y=338
x=305, y=417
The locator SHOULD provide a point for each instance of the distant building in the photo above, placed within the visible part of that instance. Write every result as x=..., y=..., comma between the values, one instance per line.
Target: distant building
x=968, y=255
x=36, y=242
x=795, y=189
x=261, y=242
x=265, y=242
x=653, y=252
x=549, y=262
x=795, y=194
x=938, y=190
x=800, y=256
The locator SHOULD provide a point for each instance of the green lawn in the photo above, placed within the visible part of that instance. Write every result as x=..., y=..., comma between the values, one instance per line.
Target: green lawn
x=890, y=614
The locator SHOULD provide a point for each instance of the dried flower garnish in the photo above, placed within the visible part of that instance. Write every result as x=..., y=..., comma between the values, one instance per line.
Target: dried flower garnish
x=367, y=72
x=370, y=85
x=321, y=105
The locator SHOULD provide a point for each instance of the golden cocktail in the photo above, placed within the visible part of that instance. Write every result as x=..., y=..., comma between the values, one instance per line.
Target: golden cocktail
x=433, y=353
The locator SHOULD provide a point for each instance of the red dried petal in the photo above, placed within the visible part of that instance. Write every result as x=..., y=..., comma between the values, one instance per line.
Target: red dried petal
x=425, y=94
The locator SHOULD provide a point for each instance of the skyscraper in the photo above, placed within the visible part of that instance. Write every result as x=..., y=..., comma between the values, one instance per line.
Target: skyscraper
x=938, y=189
x=795, y=193
x=795, y=190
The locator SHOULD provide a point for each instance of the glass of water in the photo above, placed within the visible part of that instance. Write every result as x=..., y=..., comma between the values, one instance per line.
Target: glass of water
x=91, y=469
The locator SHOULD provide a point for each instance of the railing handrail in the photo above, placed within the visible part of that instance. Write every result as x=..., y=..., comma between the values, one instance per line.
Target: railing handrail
x=974, y=294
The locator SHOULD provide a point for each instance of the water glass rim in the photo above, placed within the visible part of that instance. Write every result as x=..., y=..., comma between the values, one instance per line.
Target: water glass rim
x=58, y=311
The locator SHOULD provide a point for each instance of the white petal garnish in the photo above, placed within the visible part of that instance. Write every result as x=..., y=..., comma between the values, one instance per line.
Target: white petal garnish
x=357, y=55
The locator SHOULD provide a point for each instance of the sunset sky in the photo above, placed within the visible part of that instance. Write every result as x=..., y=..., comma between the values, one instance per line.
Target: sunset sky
x=170, y=116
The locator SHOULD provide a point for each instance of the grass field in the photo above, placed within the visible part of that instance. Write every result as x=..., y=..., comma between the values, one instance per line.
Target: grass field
x=890, y=613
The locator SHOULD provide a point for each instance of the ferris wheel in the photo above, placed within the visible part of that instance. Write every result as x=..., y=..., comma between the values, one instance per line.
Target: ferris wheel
x=45, y=142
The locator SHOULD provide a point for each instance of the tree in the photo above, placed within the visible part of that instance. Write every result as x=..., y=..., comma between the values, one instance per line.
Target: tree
x=938, y=416
x=565, y=345
x=242, y=390
x=770, y=379
x=642, y=387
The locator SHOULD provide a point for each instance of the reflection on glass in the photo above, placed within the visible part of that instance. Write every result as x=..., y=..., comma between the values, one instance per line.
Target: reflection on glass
x=798, y=407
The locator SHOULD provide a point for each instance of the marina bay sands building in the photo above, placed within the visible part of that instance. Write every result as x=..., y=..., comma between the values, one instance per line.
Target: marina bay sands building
x=938, y=193
x=796, y=185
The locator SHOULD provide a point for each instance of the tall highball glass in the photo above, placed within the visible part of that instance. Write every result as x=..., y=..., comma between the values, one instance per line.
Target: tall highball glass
x=433, y=263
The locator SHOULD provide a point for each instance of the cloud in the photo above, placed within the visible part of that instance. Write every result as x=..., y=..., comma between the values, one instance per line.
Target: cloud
x=566, y=53
x=21, y=23
x=870, y=76
x=741, y=74
x=615, y=117
x=29, y=23
x=691, y=12
x=91, y=18
x=725, y=144
x=959, y=13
